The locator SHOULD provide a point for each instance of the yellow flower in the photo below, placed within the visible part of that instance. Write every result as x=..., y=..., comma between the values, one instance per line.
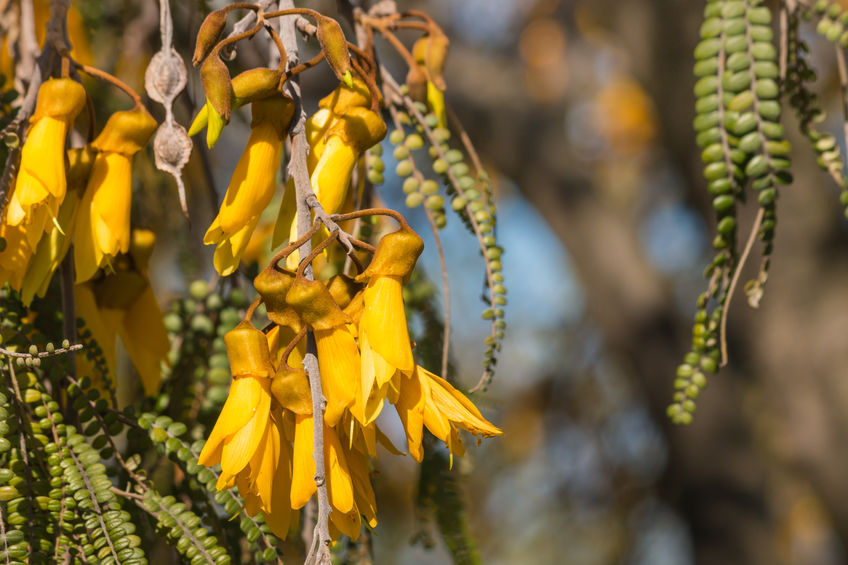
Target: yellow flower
x=53, y=247
x=338, y=356
x=383, y=334
x=103, y=225
x=428, y=400
x=41, y=183
x=241, y=426
x=252, y=184
x=340, y=491
x=16, y=254
x=265, y=484
x=123, y=304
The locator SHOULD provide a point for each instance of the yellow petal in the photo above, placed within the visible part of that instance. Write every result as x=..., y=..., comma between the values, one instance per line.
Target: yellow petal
x=229, y=249
x=457, y=408
x=339, y=485
x=331, y=177
x=339, y=363
x=238, y=409
x=239, y=449
x=146, y=340
x=303, y=465
x=410, y=409
x=278, y=514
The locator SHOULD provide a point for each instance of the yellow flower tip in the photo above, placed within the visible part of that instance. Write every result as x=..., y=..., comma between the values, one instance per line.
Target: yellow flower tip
x=126, y=132
x=396, y=255
x=347, y=78
x=247, y=349
x=61, y=98
x=200, y=121
x=346, y=96
x=215, y=125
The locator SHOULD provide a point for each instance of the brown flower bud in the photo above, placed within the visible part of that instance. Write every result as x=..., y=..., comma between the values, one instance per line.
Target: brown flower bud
x=416, y=81
x=207, y=37
x=333, y=42
x=272, y=285
x=217, y=86
x=291, y=389
x=315, y=304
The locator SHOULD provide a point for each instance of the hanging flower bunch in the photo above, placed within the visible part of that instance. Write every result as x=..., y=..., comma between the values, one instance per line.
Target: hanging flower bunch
x=80, y=198
x=301, y=417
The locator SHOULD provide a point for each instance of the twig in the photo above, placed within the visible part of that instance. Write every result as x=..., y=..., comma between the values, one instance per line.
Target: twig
x=40, y=354
x=843, y=82
x=320, y=551
x=752, y=237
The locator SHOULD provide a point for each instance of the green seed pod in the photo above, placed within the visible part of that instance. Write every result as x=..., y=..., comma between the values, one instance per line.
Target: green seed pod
x=396, y=137
x=751, y=142
x=707, y=48
x=401, y=152
x=429, y=187
x=763, y=51
x=435, y=202
x=411, y=185
x=404, y=168
x=414, y=200
x=741, y=101
x=727, y=226
x=375, y=178
x=440, y=166
x=414, y=141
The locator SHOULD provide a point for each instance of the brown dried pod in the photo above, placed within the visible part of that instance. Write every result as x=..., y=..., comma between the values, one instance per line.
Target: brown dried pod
x=416, y=81
x=207, y=37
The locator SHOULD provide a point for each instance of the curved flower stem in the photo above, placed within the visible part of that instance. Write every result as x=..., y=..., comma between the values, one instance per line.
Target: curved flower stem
x=287, y=250
x=236, y=38
x=373, y=212
x=113, y=80
x=284, y=360
x=252, y=309
x=315, y=252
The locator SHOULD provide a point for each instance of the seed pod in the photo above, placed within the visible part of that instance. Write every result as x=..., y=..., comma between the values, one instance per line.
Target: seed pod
x=207, y=37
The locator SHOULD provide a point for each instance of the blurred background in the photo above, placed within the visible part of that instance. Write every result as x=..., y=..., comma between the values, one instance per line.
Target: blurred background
x=582, y=112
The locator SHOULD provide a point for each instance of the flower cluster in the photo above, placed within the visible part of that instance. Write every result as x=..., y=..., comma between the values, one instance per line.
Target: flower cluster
x=82, y=196
x=264, y=438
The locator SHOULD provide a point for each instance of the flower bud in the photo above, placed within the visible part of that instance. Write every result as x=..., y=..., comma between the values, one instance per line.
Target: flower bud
x=207, y=37
x=272, y=285
x=219, y=96
x=396, y=255
x=416, y=81
x=333, y=42
x=315, y=304
x=431, y=51
x=343, y=288
x=247, y=349
x=346, y=96
x=126, y=132
x=291, y=389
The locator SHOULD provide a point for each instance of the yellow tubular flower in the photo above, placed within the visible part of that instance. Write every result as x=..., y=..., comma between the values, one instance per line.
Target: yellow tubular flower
x=41, y=179
x=266, y=483
x=123, y=304
x=15, y=256
x=354, y=132
x=338, y=356
x=345, y=515
x=428, y=400
x=252, y=184
x=103, y=225
x=241, y=426
x=383, y=334
x=53, y=247
x=101, y=331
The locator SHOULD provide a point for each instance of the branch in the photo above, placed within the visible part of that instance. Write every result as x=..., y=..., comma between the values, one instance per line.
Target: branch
x=319, y=552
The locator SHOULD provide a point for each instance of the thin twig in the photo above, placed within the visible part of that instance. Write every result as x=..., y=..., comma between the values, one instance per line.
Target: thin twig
x=752, y=237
